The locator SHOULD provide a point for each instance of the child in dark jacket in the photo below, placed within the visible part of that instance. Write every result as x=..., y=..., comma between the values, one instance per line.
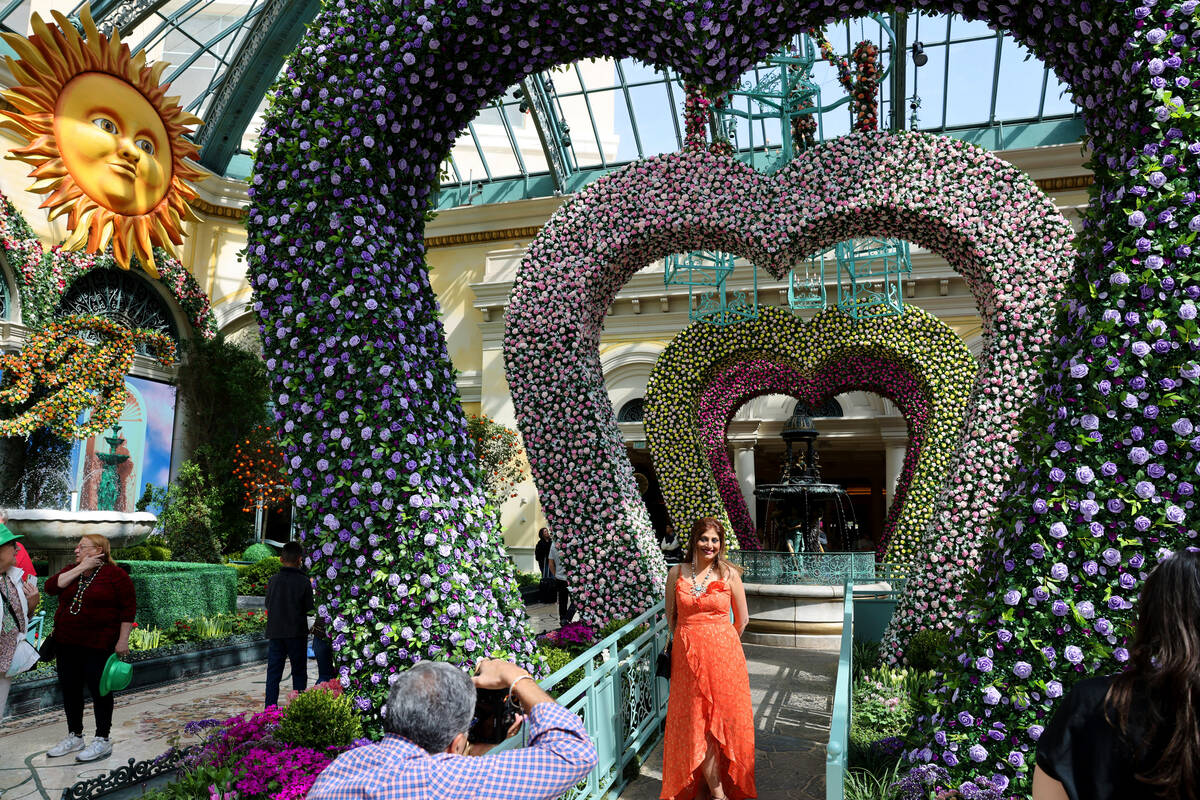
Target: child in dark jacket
x=289, y=600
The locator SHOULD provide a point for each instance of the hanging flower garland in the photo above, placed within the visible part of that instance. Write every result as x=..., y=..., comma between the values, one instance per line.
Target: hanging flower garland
x=862, y=83
x=260, y=467
x=707, y=373
x=58, y=376
x=44, y=275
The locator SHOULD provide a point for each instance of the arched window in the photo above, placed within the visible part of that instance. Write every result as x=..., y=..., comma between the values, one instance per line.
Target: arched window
x=830, y=408
x=122, y=296
x=5, y=304
x=633, y=411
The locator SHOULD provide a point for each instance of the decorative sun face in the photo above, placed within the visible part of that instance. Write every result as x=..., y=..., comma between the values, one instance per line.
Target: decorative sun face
x=105, y=141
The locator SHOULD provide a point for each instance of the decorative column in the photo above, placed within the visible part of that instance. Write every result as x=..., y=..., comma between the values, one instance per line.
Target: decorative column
x=894, y=433
x=743, y=463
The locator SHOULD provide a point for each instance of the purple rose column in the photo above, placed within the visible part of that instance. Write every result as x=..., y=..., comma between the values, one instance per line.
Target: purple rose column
x=1110, y=451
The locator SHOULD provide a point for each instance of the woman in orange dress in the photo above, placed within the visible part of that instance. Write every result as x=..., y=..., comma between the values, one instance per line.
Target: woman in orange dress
x=708, y=753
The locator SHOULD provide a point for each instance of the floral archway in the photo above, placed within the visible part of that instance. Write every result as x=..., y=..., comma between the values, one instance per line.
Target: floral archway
x=987, y=219
x=370, y=105
x=707, y=373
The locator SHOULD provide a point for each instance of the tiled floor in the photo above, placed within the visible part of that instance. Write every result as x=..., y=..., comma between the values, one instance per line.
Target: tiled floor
x=792, y=692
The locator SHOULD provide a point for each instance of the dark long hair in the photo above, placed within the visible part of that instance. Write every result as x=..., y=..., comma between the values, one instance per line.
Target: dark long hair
x=1164, y=668
x=722, y=565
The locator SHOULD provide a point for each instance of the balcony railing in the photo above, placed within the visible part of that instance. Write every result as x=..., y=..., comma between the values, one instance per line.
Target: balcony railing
x=773, y=567
x=622, y=701
x=839, y=727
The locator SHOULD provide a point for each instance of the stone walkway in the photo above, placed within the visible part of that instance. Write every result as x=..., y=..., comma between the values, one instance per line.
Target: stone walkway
x=792, y=693
x=146, y=723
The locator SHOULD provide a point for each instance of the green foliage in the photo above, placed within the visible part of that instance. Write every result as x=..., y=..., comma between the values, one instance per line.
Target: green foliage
x=142, y=552
x=556, y=659
x=193, y=783
x=199, y=629
x=501, y=459
x=927, y=649
x=170, y=590
x=319, y=719
x=866, y=657
x=526, y=580
x=257, y=552
x=867, y=784
x=189, y=515
x=145, y=638
x=615, y=625
x=253, y=578
x=227, y=393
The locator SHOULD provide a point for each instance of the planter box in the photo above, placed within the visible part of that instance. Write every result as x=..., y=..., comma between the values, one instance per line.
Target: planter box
x=41, y=693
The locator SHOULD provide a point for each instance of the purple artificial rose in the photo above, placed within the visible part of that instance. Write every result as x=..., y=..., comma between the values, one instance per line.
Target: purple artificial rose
x=1059, y=608
x=1022, y=669
x=1139, y=455
x=1090, y=568
x=1137, y=219
x=1035, y=732
x=1012, y=597
x=983, y=664
x=1058, y=530
x=977, y=753
x=1140, y=349
x=1088, y=508
x=1144, y=490
x=1005, y=635
x=965, y=719
x=1037, y=550
x=1089, y=422
x=1016, y=758
x=1086, y=609
x=1073, y=654
x=1058, y=571
x=1040, y=594
x=991, y=695
x=1182, y=426
x=1102, y=626
x=1108, y=469
x=1121, y=654
x=1057, y=475
x=1084, y=474
x=1054, y=689
x=1111, y=556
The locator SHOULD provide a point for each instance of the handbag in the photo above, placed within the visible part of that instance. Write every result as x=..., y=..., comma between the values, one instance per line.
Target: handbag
x=663, y=667
x=49, y=649
x=25, y=655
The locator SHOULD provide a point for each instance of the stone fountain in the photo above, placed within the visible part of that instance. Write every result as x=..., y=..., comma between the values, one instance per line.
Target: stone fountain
x=53, y=534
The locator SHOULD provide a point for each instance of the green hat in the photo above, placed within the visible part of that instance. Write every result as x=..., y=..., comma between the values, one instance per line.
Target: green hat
x=6, y=535
x=117, y=675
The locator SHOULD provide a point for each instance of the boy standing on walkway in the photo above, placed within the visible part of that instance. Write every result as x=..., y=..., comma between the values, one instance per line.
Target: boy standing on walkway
x=289, y=600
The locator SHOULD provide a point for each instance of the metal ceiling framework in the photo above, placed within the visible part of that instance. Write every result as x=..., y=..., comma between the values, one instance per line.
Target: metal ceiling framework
x=227, y=54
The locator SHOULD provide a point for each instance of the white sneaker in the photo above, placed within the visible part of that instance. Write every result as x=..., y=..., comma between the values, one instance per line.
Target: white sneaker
x=67, y=745
x=99, y=748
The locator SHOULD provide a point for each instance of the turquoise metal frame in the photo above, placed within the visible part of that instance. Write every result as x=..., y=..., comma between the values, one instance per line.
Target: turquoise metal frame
x=784, y=568
x=622, y=701
x=837, y=750
x=808, y=292
x=871, y=277
x=704, y=273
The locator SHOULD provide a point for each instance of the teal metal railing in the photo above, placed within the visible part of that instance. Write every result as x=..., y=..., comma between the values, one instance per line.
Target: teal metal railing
x=622, y=701
x=837, y=750
x=774, y=567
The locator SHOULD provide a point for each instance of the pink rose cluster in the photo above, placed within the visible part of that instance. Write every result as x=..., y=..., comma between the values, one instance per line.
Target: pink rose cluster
x=988, y=220
x=707, y=373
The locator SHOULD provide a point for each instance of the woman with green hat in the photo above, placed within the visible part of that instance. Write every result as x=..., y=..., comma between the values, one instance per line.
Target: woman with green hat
x=18, y=599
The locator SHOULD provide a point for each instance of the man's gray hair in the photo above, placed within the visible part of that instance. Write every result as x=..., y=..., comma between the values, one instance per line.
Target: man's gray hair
x=430, y=704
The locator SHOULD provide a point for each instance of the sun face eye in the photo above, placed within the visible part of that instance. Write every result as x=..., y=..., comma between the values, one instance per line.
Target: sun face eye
x=145, y=145
x=105, y=124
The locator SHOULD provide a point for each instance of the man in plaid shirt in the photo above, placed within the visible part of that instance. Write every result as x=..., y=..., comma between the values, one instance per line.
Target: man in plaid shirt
x=423, y=756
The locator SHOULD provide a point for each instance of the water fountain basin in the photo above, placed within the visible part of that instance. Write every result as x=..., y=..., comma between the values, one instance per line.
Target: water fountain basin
x=53, y=533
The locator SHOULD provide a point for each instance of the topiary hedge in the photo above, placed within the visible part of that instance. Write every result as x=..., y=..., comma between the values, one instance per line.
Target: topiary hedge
x=171, y=590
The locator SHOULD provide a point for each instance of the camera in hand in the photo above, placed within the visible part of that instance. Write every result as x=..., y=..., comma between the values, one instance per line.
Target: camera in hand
x=494, y=715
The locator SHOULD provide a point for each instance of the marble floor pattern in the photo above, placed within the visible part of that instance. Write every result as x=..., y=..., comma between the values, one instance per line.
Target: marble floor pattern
x=145, y=724
x=792, y=693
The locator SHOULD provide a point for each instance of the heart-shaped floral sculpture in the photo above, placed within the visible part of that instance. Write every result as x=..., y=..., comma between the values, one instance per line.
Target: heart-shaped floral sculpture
x=987, y=219
x=708, y=372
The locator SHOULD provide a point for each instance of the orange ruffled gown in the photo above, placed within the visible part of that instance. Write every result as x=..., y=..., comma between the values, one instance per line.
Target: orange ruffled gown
x=710, y=694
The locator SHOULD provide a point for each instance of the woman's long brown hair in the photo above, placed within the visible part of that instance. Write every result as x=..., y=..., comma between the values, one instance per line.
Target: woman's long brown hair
x=721, y=563
x=1164, y=670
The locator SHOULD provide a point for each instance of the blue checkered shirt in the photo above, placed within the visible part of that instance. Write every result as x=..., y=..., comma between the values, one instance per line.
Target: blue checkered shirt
x=559, y=755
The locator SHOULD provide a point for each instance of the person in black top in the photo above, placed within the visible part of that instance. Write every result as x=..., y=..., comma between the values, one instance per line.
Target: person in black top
x=1136, y=734
x=542, y=551
x=289, y=600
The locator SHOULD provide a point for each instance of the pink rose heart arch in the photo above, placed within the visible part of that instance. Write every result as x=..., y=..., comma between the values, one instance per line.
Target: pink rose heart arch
x=707, y=373
x=987, y=219
x=348, y=157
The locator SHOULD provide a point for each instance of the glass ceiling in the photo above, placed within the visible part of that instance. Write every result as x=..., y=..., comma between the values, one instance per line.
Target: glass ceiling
x=613, y=112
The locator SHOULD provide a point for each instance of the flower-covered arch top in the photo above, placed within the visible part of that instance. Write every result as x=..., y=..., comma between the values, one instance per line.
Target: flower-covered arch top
x=986, y=218
x=707, y=373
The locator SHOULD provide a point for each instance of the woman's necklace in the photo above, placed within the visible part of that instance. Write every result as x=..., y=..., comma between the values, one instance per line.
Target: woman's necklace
x=84, y=582
x=698, y=588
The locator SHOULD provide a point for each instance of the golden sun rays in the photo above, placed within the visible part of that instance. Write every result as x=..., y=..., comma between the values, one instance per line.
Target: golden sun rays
x=105, y=141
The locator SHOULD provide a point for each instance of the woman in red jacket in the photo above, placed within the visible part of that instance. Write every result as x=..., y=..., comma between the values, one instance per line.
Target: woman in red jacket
x=96, y=606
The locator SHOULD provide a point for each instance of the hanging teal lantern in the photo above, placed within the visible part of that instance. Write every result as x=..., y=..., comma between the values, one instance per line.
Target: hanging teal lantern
x=704, y=273
x=871, y=277
x=806, y=284
x=787, y=95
